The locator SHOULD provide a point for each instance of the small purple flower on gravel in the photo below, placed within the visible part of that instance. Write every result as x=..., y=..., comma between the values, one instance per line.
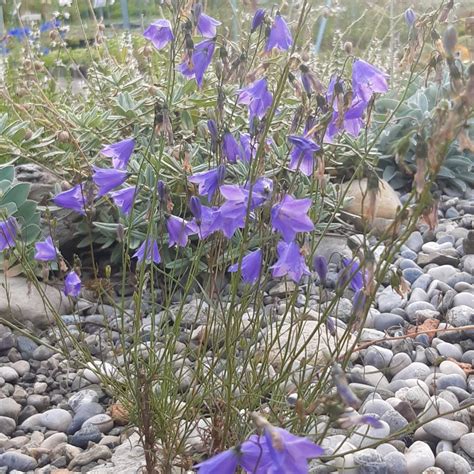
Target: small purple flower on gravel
x=251, y=266
x=107, y=179
x=8, y=233
x=290, y=262
x=302, y=154
x=72, y=284
x=196, y=66
x=290, y=217
x=123, y=199
x=320, y=265
x=351, y=419
x=120, y=153
x=209, y=181
x=367, y=80
x=159, y=33
x=179, y=230
x=46, y=250
x=350, y=275
x=73, y=198
x=148, y=251
x=280, y=35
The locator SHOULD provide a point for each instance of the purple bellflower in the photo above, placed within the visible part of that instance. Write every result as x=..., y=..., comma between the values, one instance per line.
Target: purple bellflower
x=410, y=16
x=8, y=233
x=159, y=33
x=320, y=265
x=358, y=303
x=123, y=199
x=290, y=262
x=73, y=198
x=196, y=66
x=204, y=218
x=351, y=418
x=148, y=251
x=352, y=122
x=342, y=387
x=179, y=230
x=251, y=267
x=107, y=179
x=46, y=250
x=72, y=284
x=257, y=97
x=209, y=181
x=290, y=217
x=212, y=127
x=262, y=191
x=231, y=215
x=302, y=155
x=247, y=147
x=288, y=452
x=258, y=19
x=367, y=80
x=280, y=35
x=350, y=275
x=230, y=147
x=205, y=24
x=120, y=153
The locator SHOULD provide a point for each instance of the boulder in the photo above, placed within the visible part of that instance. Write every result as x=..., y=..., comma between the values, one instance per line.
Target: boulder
x=23, y=303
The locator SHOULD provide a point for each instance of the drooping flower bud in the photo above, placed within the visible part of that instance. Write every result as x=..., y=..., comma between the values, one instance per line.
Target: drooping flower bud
x=258, y=19
x=196, y=207
x=410, y=16
x=320, y=265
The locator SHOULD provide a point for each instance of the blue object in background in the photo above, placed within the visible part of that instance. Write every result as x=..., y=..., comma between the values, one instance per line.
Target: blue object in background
x=126, y=18
x=322, y=28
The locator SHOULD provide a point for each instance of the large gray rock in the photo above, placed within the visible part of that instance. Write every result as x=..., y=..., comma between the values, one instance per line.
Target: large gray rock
x=419, y=457
x=452, y=463
x=25, y=303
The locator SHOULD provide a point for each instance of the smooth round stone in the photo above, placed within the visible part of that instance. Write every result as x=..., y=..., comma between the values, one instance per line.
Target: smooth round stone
x=418, y=396
x=396, y=463
x=412, y=274
x=370, y=375
x=81, y=397
x=383, y=321
x=448, y=368
x=416, y=370
x=415, y=241
x=407, y=263
x=409, y=254
x=452, y=463
x=40, y=402
x=460, y=393
x=443, y=428
x=91, y=376
x=85, y=435
x=388, y=300
x=412, y=308
x=467, y=444
x=394, y=420
x=431, y=247
x=435, y=407
x=22, y=367
x=366, y=435
x=419, y=457
x=42, y=353
x=399, y=362
x=468, y=357
x=84, y=412
x=444, y=445
x=56, y=419
x=385, y=448
x=463, y=286
x=379, y=407
x=16, y=461
x=450, y=398
x=369, y=461
x=379, y=357
x=7, y=425
x=54, y=440
x=460, y=277
x=457, y=316
x=103, y=422
x=464, y=298
x=418, y=294
x=10, y=408
x=444, y=381
x=449, y=350
x=423, y=282
x=442, y=273
x=33, y=421
x=8, y=374
x=446, y=238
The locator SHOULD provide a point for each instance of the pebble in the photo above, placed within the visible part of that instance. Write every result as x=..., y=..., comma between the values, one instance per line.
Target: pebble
x=9, y=408
x=442, y=273
x=415, y=241
x=364, y=436
x=449, y=350
x=467, y=444
x=56, y=419
x=7, y=425
x=445, y=429
x=400, y=361
x=394, y=420
x=83, y=396
x=452, y=463
x=419, y=457
x=423, y=282
x=379, y=357
x=9, y=374
x=416, y=370
x=83, y=413
x=16, y=461
x=447, y=380
x=396, y=463
x=103, y=422
x=85, y=435
x=464, y=299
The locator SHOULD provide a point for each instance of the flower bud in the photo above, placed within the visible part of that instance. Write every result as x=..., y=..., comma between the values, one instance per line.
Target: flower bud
x=410, y=16
x=195, y=207
x=348, y=48
x=63, y=136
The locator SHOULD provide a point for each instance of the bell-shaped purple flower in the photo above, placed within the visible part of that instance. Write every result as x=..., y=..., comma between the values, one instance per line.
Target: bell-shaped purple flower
x=123, y=199
x=73, y=199
x=258, y=19
x=410, y=16
x=179, y=230
x=262, y=191
x=342, y=387
x=46, y=250
x=280, y=35
x=225, y=463
x=358, y=303
x=352, y=123
x=320, y=265
x=107, y=179
x=350, y=275
x=212, y=127
x=367, y=80
x=196, y=66
x=72, y=284
x=8, y=233
x=148, y=252
x=120, y=153
x=231, y=215
x=251, y=267
x=159, y=33
x=290, y=262
x=209, y=181
x=290, y=217
x=207, y=26
x=195, y=207
x=288, y=452
x=204, y=218
x=302, y=154
x=230, y=147
x=257, y=97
